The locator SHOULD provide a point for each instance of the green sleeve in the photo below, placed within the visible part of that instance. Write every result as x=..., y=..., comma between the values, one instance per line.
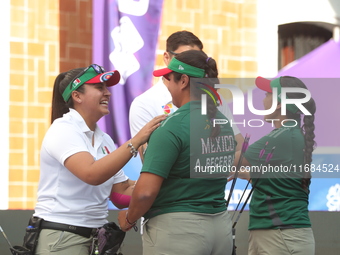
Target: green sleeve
x=161, y=153
x=253, y=151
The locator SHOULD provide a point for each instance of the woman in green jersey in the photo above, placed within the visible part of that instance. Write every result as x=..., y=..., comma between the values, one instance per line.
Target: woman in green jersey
x=279, y=223
x=184, y=209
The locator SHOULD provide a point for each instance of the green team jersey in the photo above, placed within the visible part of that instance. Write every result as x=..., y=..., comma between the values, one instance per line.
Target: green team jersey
x=278, y=200
x=180, y=146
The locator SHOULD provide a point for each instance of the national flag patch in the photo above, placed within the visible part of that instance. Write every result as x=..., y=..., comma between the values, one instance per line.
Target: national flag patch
x=76, y=82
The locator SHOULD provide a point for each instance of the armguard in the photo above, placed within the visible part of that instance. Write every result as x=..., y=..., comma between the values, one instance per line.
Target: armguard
x=120, y=199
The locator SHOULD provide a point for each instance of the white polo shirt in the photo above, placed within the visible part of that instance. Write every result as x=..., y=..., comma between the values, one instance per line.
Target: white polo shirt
x=157, y=100
x=63, y=197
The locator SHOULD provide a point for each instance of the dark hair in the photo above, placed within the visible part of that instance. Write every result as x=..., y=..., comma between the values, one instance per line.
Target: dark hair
x=200, y=59
x=308, y=123
x=180, y=38
x=59, y=106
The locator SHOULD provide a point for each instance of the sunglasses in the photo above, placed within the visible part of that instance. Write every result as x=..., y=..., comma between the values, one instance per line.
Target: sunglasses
x=81, y=78
x=97, y=68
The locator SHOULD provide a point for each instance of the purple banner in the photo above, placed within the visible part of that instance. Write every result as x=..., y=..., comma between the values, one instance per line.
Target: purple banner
x=125, y=36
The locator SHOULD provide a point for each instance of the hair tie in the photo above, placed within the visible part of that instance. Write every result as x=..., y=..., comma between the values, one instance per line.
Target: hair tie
x=207, y=60
x=208, y=92
x=213, y=90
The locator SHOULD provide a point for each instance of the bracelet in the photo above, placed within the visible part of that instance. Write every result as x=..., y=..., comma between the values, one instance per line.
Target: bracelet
x=133, y=150
x=131, y=225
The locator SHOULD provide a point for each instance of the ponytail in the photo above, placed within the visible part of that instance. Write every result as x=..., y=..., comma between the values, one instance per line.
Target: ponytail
x=59, y=106
x=308, y=126
x=201, y=60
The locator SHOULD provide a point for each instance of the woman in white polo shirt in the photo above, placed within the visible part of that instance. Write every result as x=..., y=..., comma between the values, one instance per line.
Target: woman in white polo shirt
x=80, y=165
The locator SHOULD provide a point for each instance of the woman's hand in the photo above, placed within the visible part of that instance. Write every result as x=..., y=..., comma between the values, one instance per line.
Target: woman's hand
x=123, y=223
x=144, y=195
x=143, y=135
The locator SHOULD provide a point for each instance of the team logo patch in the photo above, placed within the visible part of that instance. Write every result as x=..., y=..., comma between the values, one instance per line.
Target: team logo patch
x=168, y=108
x=106, y=76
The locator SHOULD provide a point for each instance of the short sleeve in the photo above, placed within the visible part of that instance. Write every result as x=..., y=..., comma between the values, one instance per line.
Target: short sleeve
x=253, y=151
x=161, y=153
x=119, y=177
x=63, y=146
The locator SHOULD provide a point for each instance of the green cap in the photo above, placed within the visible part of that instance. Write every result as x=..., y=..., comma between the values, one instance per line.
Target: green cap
x=178, y=66
x=268, y=85
x=91, y=75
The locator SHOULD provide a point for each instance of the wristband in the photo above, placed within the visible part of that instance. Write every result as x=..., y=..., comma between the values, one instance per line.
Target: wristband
x=133, y=150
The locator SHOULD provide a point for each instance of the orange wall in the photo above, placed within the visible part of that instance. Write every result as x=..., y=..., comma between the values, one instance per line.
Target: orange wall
x=34, y=51
x=46, y=37
x=226, y=28
x=75, y=34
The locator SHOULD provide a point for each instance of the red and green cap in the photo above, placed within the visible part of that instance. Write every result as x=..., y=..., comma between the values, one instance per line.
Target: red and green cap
x=91, y=75
x=268, y=85
x=178, y=66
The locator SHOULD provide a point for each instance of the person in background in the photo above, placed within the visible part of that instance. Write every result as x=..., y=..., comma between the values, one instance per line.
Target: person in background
x=278, y=219
x=79, y=164
x=157, y=100
x=183, y=205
